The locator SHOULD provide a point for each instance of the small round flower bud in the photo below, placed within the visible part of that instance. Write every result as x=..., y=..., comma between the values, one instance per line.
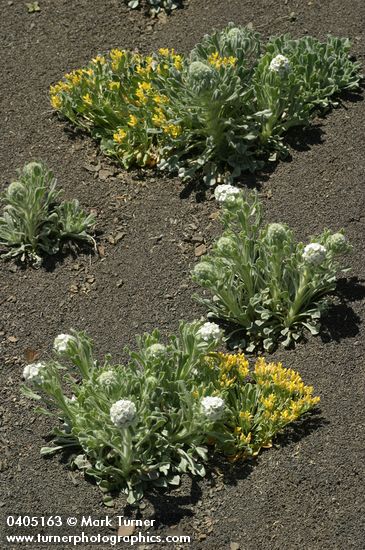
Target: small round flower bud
x=338, y=243
x=199, y=72
x=225, y=245
x=62, y=341
x=107, y=378
x=276, y=232
x=314, y=254
x=123, y=413
x=203, y=271
x=209, y=332
x=156, y=350
x=280, y=65
x=31, y=168
x=33, y=373
x=15, y=189
x=226, y=193
x=212, y=408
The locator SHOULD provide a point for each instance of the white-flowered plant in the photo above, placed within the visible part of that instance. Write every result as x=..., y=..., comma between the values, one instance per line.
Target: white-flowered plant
x=62, y=342
x=135, y=425
x=107, y=379
x=123, y=413
x=226, y=193
x=213, y=408
x=314, y=254
x=157, y=350
x=143, y=424
x=33, y=372
x=32, y=223
x=263, y=280
x=210, y=332
x=280, y=65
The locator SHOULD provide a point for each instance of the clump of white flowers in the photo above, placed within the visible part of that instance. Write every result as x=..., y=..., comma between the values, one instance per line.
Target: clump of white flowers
x=33, y=373
x=107, y=378
x=156, y=350
x=314, y=253
x=209, y=332
x=276, y=232
x=280, y=65
x=212, y=408
x=226, y=193
x=62, y=341
x=123, y=413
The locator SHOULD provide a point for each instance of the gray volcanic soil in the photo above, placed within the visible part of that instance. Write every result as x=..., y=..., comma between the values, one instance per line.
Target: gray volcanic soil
x=306, y=492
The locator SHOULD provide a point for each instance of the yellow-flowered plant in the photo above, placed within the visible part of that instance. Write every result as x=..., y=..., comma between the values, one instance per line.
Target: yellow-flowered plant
x=120, y=99
x=260, y=402
x=219, y=112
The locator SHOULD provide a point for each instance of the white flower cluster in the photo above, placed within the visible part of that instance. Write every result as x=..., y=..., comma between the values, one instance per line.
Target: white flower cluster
x=123, y=413
x=209, y=332
x=280, y=65
x=156, y=350
x=226, y=193
x=62, y=341
x=107, y=378
x=314, y=254
x=212, y=408
x=33, y=373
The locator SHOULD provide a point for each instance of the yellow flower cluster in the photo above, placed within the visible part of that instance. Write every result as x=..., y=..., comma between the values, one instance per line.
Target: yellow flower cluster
x=173, y=130
x=87, y=99
x=159, y=117
x=99, y=59
x=217, y=61
x=133, y=121
x=114, y=85
x=160, y=99
x=142, y=92
x=116, y=56
x=120, y=135
x=268, y=374
x=232, y=367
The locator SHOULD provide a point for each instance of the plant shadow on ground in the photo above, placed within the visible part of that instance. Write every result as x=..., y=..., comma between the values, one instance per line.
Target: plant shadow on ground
x=50, y=262
x=170, y=509
x=341, y=321
x=299, y=139
x=303, y=138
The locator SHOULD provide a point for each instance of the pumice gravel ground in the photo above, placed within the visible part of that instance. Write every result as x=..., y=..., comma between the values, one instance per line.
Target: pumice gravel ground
x=307, y=491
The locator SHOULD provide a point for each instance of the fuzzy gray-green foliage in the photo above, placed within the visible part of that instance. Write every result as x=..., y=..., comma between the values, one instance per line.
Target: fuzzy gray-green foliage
x=235, y=109
x=264, y=281
x=32, y=223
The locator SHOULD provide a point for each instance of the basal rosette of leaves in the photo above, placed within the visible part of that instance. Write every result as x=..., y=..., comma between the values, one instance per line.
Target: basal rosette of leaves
x=219, y=112
x=142, y=425
x=261, y=279
x=33, y=223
